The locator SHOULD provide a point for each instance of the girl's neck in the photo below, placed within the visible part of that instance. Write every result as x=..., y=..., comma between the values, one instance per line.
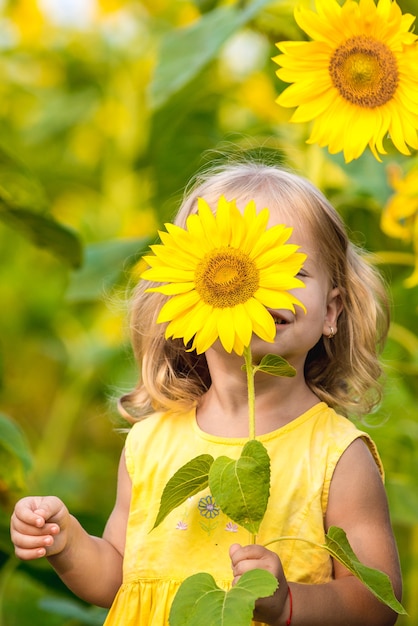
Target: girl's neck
x=223, y=410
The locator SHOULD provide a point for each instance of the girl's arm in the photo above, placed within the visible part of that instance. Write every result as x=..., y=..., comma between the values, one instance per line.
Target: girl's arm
x=90, y=566
x=358, y=504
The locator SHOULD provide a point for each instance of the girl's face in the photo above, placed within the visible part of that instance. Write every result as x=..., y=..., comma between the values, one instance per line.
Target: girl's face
x=297, y=333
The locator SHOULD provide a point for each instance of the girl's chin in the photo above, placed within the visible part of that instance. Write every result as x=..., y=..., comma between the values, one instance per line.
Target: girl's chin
x=259, y=348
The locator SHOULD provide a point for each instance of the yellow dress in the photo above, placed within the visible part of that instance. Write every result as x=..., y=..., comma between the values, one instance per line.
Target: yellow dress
x=196, y=536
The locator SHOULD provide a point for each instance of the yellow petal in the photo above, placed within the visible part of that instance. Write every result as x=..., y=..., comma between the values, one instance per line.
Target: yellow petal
x=177, y=305
x=262, y=322
x=172, y=289
x=226, y=328
x=207, y=334
x=209, y=223
x=277, y=300
x=242, y=324
x=168, y=274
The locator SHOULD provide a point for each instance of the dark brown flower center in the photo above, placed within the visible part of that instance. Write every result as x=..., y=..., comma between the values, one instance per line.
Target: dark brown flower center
x=226, y=277
x=364, y=71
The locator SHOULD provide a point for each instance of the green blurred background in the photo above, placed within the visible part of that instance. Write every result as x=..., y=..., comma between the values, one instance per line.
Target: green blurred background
x=107, y=107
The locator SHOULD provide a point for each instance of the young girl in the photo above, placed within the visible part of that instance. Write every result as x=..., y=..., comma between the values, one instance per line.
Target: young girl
x=324, y=471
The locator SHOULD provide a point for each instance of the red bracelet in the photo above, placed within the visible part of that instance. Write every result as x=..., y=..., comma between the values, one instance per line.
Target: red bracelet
x=289, y=619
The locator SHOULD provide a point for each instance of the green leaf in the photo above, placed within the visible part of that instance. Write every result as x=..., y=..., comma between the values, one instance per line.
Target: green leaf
x=200, y=601
x=377, y=582
x=71, y=610
x=19, y=188
x=186, y=51
x=186, y=482
x=44, y=232
x=241, y=488
x=13, y=440
x=104, y=263
x=15, y=461
x=23, y=205
x=275, y=365
x=367, y=177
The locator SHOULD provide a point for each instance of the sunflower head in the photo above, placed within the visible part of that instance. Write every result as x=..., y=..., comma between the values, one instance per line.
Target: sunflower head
x=221, y=275
x=356, y=79
x=400, y=216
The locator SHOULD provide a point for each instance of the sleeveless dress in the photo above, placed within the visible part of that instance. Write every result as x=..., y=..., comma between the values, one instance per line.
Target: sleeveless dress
x=196, y=536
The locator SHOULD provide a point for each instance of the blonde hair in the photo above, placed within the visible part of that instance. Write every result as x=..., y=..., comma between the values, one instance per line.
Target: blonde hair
x=344, y=372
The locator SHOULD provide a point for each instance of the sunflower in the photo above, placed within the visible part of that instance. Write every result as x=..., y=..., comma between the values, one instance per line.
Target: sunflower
x=221, y=272
x=400, y=217
x=357, y=79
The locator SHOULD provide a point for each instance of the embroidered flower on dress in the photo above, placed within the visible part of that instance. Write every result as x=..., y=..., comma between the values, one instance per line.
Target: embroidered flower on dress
x=207, y=507
x=181, y=525
x=231, y=527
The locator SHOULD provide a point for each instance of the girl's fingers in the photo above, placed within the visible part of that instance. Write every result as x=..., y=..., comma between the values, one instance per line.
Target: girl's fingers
x=29, y=547
x=36, y=527
x=32, y=534
x=26, y=554
x=245, y=553
x=29, y=542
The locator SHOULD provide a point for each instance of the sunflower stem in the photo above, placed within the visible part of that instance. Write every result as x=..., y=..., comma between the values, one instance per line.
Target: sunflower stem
x=251, y=393
x=251, y=402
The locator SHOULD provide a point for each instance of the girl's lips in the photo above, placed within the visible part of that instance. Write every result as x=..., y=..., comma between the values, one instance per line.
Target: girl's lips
x=279, y=318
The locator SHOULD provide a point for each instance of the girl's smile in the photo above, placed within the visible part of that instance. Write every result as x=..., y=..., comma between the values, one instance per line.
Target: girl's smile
x=281, y=318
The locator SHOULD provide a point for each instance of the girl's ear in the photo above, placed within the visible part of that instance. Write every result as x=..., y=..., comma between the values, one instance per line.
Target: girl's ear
x=334, y=308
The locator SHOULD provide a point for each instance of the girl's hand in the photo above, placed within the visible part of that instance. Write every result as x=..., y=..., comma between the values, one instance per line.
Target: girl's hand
x=39, y=526
x=245, y=558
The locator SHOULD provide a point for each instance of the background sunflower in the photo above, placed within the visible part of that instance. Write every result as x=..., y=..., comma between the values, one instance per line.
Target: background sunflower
x=107, y=107
x=356, y=79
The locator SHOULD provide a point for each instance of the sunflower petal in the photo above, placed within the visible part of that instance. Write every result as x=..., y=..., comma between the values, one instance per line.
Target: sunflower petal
x=262, y=322
x=207, y=334
x=226, y=328
x=177, y=305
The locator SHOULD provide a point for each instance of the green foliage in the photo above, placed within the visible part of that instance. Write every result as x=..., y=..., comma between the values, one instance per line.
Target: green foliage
x=71, y=610
x=186, y=482
x=21, y=197
x=13, y=441
x=241, y=487
x=275, y=365
x=185, y=52
x=103, y=267
x=15, y=460
x=200, y=601
x=45, y=233
x=377, y=582
x=95, y=151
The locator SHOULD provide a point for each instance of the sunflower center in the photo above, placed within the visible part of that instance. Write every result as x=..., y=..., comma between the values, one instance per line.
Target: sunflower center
x=364, y=71
x=226, y=277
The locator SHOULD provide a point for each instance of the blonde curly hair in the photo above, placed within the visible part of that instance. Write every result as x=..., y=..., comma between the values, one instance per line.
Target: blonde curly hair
x=345, y=372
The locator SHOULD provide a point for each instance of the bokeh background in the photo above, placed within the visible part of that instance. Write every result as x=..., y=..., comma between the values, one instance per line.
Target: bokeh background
x=107, y=108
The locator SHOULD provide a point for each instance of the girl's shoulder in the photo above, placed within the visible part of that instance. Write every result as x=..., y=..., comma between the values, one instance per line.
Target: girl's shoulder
x=158, y=427
x=329, y=433
x=152, y=442
x=344, y=432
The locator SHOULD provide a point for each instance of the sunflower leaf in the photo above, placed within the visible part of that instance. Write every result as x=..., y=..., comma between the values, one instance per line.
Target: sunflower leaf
x=241, y=488
x=185, y=52
x=186, y=482
x=275, y=365
x=377, y=582
x=104, y=263
x=44, y=232
x=200, y=601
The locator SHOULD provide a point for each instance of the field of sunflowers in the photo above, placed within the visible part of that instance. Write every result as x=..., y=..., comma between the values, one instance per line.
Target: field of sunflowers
x=107, y=108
